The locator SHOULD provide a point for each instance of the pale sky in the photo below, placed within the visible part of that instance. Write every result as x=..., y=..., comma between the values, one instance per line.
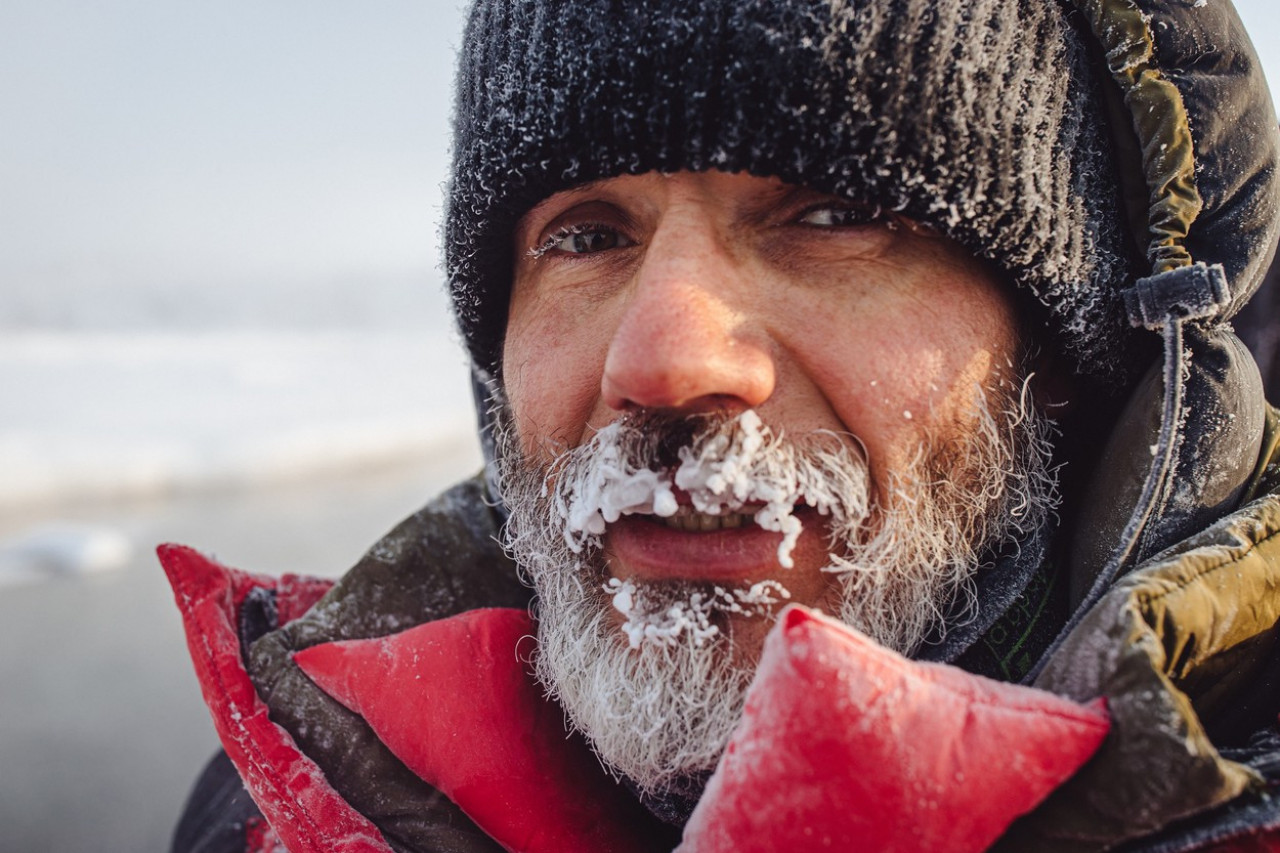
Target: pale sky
x=196, y=143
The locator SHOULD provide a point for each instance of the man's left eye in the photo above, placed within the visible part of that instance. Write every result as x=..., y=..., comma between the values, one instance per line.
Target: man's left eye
x=838, y=216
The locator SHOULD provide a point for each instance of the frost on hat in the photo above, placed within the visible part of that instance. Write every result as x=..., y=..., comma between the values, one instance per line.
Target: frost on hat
x=454, y=701
x=846, y=745
x=997, y=121
x=980, y=117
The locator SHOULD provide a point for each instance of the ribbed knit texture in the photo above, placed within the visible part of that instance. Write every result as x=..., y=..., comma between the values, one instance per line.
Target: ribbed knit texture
x=977, y=116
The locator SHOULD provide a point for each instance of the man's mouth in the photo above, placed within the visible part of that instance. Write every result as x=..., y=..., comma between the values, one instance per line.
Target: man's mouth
x=735, y=481
x=688, y=520
x=727, y=548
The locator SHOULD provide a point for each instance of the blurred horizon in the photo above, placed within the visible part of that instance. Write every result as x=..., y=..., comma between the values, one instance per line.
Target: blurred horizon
x=219, y=269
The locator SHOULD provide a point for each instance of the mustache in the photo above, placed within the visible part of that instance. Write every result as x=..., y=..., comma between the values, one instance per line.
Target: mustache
x=652, y=438
x=655, y=439
x=647, y=464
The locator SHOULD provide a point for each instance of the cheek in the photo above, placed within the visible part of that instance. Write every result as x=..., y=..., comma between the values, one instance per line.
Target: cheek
x=914, y=370
x=885, y=390
x=551, y=372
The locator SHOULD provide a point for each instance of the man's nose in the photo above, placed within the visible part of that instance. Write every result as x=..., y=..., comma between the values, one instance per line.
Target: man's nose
x=688, y=338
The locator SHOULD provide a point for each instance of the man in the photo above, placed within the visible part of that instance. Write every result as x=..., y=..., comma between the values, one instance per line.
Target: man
x=907, y=312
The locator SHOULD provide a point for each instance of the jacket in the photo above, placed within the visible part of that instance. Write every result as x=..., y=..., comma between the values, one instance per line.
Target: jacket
x=1180, y=645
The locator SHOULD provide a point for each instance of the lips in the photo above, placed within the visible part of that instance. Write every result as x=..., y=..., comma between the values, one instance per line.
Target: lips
x=696, y=546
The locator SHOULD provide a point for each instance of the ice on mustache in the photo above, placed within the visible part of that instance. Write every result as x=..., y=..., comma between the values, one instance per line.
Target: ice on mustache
x=733, y=465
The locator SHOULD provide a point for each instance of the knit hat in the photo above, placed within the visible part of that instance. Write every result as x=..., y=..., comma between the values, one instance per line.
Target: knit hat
x=991, y=120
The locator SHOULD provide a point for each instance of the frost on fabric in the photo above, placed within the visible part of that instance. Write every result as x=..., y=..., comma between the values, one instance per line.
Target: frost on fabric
x=666, y=623
x=721, y=476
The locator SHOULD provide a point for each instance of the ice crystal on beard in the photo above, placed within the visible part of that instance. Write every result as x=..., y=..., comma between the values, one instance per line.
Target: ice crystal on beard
x=721, y=475
x=664, y=624
x=606, y=491
x=726, y=473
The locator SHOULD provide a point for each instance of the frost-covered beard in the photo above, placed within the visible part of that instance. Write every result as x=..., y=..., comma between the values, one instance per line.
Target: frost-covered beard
x=659, y=700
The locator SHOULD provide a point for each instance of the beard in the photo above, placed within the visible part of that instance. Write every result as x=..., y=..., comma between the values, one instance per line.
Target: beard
x=659, y=699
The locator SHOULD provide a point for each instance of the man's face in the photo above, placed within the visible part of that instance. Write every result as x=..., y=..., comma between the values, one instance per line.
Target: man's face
x=701, y=292
x=782, y=340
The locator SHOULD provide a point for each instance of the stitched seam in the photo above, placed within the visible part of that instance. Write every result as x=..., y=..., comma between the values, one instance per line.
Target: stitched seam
x=249, y=742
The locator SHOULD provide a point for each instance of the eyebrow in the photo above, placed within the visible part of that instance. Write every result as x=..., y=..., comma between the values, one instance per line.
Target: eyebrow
x=759, y=208
x=540, y=207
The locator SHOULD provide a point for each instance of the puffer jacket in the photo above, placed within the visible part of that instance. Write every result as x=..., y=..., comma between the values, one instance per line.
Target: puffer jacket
x=1181, y=646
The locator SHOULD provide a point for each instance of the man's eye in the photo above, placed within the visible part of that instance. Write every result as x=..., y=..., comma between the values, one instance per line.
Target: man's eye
x=839, y=216
x=582, y=240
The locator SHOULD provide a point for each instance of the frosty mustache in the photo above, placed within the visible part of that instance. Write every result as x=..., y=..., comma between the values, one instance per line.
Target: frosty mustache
x=726, y=466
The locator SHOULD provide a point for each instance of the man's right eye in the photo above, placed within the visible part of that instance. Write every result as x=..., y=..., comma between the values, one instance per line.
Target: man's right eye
x=582, y=240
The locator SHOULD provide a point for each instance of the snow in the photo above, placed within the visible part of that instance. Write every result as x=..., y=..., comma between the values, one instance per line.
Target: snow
x=104, y=414
x=664, y=626
x=62, y=549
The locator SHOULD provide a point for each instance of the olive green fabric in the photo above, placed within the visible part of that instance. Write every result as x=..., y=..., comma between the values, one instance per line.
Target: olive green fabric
x=1267, y=476
x=1160, y=121
x=441, y=561
x=1173, y=646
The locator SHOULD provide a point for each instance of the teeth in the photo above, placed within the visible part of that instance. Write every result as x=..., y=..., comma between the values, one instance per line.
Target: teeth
x=697, y=522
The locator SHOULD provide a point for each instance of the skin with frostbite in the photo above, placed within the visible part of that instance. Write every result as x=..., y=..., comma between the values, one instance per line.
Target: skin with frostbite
x=700, y=292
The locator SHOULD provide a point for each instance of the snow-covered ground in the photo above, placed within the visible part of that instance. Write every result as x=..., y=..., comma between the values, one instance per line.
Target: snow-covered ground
x=109, y=415
x=102, y=409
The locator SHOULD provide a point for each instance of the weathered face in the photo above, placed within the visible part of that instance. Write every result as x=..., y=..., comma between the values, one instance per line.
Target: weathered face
x=724, y=393
x=699, y=292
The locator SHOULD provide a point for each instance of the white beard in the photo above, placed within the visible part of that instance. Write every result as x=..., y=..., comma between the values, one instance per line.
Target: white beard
x=659, y=700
